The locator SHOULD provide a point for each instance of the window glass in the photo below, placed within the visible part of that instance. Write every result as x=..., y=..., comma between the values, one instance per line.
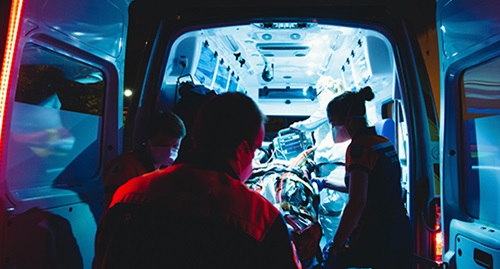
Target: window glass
x=348, y=76
x=205, y=69
x=233, y=83
x=55, y=131
x=222, y=77
x=481, y=142
x=360, y=61
x=240, y=88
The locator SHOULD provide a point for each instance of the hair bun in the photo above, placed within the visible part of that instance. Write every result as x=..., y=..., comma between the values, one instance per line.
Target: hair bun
x=366, y=93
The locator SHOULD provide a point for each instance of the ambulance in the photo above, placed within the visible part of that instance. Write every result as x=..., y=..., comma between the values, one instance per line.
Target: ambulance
x=79, y=79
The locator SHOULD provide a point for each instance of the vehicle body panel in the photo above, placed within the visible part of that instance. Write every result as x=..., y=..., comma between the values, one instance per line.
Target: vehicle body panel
x=468, y=35
x=53, y=150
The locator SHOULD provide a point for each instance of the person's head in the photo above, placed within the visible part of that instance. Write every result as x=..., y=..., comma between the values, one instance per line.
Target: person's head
x=347, y=113
x=165, y=133
x=230, y=126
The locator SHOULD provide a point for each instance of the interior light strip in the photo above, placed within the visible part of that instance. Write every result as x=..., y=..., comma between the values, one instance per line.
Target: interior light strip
x=8, y=59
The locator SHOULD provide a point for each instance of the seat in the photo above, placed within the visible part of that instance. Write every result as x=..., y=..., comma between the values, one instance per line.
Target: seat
x=386, y=127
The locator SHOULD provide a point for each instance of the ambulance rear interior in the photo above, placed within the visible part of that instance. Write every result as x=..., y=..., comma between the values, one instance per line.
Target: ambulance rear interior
x=278, y=64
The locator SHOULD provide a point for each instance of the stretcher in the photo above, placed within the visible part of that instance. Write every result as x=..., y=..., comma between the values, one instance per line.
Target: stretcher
x=284, y=179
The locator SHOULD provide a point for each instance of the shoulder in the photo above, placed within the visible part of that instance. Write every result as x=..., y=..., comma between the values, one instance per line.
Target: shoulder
x=254, y=213
x=195, y=191
x=122, y=168
x=364, y=150
x=125, y=161
x=367, y=141
x=122, y=159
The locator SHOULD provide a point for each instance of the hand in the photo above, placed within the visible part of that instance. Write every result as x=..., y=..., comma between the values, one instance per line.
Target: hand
x=334, y=250
x=319, y=181
x=293, y=126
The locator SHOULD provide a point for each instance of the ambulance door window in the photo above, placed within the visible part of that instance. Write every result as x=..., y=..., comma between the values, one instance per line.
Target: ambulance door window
x=481, y=142
x=56, y=121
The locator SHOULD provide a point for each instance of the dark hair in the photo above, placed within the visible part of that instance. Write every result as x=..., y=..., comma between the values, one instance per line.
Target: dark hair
x=167, y=123
x=350, y=103
x=192, y=98
x=224, y=122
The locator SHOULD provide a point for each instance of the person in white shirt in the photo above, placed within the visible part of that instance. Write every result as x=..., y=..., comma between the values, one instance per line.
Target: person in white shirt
x=329, y=157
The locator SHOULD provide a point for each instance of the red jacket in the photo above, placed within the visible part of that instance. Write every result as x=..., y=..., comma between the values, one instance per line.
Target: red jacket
x=190, y=217
x=121, y=169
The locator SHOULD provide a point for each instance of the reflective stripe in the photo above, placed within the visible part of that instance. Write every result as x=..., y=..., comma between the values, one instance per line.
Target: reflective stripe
x=296, y=257
x=382, y=145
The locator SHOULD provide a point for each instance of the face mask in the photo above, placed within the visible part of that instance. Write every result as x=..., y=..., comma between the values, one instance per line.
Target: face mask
x=164, y=150
x=246, y=172
x=246, y=157
x=340, y=134
x=164, y=156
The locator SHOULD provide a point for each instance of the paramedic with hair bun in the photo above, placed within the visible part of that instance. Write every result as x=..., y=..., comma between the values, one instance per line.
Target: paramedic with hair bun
x=198, y=213
x=374, y=229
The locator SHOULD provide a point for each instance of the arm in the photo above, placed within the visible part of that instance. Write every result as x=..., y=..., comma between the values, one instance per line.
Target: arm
x=313, y=122
x=335, y=184
x=335, y=180
x=358, y=193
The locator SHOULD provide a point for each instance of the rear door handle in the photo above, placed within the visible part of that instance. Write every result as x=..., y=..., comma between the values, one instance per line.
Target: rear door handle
x=483, y=259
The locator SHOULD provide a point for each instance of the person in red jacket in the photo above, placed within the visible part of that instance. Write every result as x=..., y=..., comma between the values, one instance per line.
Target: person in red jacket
x=165, y=132
x=198, y=213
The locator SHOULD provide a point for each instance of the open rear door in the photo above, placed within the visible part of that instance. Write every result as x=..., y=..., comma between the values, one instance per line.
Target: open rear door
x=61, y=103
x=469, y=44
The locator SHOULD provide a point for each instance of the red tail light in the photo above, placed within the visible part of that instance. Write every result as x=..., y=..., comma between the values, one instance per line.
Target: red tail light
x=437, y=239
x=8, y=59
